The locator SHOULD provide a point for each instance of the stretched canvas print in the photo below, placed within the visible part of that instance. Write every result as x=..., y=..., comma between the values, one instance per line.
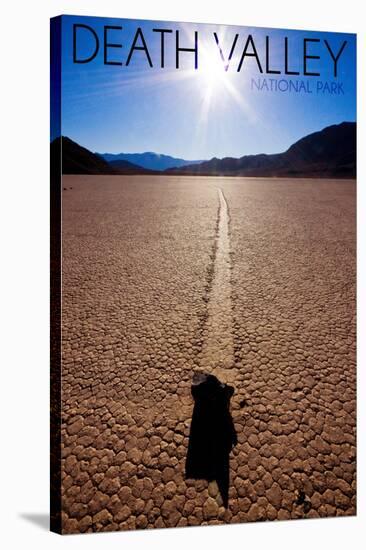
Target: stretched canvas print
x=202, y=274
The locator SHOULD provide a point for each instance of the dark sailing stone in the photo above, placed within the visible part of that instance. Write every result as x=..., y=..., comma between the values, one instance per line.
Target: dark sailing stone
x=212, y=434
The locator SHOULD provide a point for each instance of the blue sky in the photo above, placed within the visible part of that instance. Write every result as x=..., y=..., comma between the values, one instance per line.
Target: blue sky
x=197, y=114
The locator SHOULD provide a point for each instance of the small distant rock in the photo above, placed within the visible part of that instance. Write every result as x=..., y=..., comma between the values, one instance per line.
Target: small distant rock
x=300, y=496
x=303, y=499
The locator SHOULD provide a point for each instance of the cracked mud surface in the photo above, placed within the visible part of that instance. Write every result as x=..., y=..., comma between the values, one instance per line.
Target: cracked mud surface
x=139, y=261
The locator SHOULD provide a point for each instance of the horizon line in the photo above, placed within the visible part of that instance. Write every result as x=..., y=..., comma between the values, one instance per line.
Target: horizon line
x=206, y=159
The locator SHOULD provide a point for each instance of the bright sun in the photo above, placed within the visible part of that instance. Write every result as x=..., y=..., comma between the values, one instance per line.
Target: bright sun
x=212, y=72
x=215, y=88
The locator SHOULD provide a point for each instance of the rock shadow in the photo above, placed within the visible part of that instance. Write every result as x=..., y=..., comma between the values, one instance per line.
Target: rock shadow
x=212, y=434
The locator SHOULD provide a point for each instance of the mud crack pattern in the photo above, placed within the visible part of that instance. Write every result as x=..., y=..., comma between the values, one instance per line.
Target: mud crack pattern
x=151, y=271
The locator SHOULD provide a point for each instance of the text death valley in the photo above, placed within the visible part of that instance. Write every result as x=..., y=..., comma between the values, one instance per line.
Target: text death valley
x=161, y=48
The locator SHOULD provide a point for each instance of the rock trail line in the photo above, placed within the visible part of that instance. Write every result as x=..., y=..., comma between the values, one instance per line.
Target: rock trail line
x=217, y=354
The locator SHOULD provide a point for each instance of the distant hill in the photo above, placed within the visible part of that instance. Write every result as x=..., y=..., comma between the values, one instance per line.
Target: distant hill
x=150, y=161
x=328, y=153
x=126, y=167
x=78, y=160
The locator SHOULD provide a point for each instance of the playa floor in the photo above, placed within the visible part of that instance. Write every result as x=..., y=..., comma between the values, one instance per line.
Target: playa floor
x=252, y=280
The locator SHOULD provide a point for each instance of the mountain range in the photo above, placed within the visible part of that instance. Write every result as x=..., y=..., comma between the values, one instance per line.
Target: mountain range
x=149, y=160
x=331, y=152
